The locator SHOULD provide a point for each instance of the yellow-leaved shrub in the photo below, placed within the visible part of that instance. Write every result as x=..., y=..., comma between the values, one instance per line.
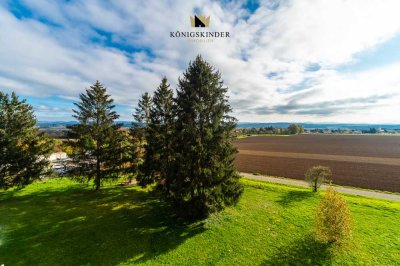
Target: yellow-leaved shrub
x=333, y=220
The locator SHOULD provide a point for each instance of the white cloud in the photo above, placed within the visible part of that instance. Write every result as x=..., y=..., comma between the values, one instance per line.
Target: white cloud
x=264, y=63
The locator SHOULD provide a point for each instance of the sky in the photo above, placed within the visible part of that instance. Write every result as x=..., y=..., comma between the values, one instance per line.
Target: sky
x=285, y=61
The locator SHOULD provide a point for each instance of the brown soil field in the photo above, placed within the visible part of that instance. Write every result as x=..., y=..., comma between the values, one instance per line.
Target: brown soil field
x=371, y=162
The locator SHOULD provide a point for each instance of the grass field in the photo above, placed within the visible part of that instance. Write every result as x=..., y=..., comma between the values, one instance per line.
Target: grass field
x=59, y=222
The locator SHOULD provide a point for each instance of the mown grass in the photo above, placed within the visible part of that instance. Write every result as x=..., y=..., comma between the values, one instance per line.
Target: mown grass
x=59, y=222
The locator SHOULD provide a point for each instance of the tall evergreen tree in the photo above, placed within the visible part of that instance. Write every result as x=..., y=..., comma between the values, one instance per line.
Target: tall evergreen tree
x=203, y=178
x=158, y=148
x=139, y=132
x=142, y=115
x=100, y=149
x=23, y=149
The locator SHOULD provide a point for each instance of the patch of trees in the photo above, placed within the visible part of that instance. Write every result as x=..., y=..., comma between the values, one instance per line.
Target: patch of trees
x=181, y=143
x=372, y=130
x=187, y=149
x=292, y=129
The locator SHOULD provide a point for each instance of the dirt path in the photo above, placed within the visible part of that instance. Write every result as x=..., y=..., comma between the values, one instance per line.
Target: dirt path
x=326, y=157
x=352, y=191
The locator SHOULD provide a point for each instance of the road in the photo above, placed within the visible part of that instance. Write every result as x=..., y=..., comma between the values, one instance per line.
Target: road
x=300, y=183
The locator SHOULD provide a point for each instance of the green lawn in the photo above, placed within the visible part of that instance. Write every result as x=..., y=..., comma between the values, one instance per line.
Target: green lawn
x=59, y=222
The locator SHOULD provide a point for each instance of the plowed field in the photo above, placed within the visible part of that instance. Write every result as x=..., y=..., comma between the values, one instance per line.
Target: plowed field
x=371, y=162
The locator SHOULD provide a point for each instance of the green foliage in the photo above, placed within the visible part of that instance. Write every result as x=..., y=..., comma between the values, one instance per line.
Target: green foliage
x=158, y=149
x=271, y=225
x=102, y=148
x=186, y=142
x=294, y=129
x=23, y=150
x=203, y=178
x=139, y=135
x=142, y=116
x=317, y=175
x=333, y=222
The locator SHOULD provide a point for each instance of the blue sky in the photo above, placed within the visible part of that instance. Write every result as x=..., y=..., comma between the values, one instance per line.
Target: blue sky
x=289, y=60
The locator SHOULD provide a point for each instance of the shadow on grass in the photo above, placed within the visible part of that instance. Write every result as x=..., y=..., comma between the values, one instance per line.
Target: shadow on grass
x=294, y=196
x=304, y=251
x=78, y=226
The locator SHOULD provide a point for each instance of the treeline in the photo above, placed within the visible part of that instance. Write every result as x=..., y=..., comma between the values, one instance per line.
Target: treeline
x=292, y=129
x=181, y=143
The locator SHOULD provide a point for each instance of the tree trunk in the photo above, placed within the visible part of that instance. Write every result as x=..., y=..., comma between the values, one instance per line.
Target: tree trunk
x=97, y=178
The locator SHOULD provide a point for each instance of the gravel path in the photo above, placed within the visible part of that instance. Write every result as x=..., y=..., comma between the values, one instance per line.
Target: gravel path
x=352, y=191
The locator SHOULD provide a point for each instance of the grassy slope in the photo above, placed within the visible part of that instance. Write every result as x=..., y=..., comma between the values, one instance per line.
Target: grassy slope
x=59, y=222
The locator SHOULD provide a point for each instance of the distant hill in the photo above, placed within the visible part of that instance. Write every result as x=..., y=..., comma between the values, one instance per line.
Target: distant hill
x=63, y=124
x=320, y=126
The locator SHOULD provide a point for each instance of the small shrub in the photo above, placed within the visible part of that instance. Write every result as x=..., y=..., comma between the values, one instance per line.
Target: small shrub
x=333, y=221
x=318, y=175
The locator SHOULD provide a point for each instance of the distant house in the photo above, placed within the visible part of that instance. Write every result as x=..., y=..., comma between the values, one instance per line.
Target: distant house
x=57, y=156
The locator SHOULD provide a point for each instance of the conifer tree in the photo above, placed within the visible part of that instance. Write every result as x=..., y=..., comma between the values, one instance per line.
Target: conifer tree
x=139, y=132
x=142, y=115
x=101, y=145
x=23, y=149
x=158, y=151
x=203, y=178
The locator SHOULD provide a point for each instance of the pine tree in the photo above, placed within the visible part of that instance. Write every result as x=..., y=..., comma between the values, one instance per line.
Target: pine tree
x=100, y=149
x=203, y=178
x=158, y=149
x=23, y=149
x=139, y=132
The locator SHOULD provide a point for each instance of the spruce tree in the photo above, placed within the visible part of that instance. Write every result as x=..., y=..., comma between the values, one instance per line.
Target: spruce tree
x=139, y=132
x=142, y=115
x=23, y=149
x=158, y=151
x=101, y=145
x=203, y=178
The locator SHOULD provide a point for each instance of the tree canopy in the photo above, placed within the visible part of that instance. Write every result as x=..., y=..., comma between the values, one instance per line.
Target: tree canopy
x=101, y=146
x=23, y=149
x=188, y=143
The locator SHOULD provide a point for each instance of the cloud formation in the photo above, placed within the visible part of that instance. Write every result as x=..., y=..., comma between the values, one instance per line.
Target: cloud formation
x=283, y=61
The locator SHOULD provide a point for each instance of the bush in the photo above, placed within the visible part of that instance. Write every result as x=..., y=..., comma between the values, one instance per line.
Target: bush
x=333, y=221
x=318, y=175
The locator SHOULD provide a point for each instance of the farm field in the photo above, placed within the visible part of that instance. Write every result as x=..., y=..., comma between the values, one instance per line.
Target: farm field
x=60, y=222
x=371, y=162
